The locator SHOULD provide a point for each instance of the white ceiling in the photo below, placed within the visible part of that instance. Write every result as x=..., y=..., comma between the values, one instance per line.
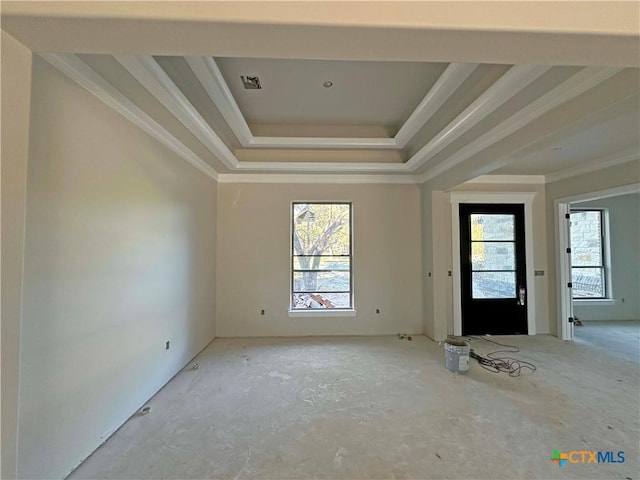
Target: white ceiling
x=399, y=108
x=603, y=140
x=363, y=93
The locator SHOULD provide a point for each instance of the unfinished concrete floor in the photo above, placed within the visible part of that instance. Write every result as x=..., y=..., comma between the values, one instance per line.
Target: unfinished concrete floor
x=379, y=407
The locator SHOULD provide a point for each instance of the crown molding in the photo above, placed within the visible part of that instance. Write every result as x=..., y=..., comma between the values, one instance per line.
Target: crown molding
x=464, y=196
x=324, y=167
x=441, y=91
x=317, y=178
x=509, y=179
x=593, y=166
x=152, y=77
x=210, y=77
x=600, y=194
x=579, y=83
x=322, y=142
x=507, y=86
x=82, y=74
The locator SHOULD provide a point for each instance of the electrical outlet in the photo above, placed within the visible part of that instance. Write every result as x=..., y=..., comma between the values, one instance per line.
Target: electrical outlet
x=166, y=345
x=377, y=310
x=261, y=312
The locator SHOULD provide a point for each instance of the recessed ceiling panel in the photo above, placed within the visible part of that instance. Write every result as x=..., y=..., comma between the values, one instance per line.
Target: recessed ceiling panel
x=329, y=91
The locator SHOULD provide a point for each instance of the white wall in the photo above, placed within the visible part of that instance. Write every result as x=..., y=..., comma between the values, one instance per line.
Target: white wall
x=436, y=249
x=16, y=94
x=254, y=260
x=624, y=235
x=426, y=220
x=120, y=257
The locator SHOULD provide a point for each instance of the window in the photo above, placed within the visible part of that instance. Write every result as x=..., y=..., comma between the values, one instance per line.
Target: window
x=321, y=275
x=588, y=269
x=493, y=255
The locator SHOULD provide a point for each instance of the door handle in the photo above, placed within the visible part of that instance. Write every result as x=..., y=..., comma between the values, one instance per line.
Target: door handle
x=522, y=295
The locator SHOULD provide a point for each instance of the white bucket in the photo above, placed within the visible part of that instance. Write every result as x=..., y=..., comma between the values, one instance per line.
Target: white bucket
x=456, y=355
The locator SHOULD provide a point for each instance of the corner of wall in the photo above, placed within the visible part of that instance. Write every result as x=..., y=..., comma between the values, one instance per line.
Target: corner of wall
x=436, y=255
x=129, y=257
x=16, y=100
x=427, y=261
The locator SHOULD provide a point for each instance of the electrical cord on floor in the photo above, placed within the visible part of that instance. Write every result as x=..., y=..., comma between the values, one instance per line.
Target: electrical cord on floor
x=495, y=361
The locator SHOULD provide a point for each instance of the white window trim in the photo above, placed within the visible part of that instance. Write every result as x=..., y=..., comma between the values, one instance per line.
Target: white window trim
x=525, y=198
x=595, y=302
x=329, y=312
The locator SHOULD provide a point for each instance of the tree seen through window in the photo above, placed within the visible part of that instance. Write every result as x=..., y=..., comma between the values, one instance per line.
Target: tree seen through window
x=321, y=256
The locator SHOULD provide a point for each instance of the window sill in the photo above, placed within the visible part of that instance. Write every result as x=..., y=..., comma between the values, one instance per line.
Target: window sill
x=333, y=312
x=595, y=301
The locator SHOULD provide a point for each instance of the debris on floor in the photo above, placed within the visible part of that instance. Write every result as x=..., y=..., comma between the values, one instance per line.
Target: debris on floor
x=144, y=410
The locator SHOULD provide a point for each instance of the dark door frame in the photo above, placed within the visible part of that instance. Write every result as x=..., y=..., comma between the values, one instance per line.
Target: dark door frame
x=524, y=198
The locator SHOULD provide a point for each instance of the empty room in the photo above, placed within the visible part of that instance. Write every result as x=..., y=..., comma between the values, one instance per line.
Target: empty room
x=338, y=240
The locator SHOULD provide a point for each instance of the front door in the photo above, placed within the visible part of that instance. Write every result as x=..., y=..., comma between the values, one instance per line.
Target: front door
x=493, y=269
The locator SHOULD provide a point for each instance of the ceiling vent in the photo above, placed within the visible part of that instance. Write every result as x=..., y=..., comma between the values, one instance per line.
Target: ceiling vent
x=250, y=83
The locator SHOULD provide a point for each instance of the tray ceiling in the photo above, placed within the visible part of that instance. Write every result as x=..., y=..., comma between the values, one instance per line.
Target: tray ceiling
x=361, y=93
x=396, y=107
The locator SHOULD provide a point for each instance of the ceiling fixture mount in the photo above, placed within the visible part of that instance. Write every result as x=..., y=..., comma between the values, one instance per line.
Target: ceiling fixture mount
x=327, y=84
x=250, y=82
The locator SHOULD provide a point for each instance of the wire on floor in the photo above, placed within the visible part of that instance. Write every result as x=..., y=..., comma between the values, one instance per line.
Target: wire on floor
x=496, y=362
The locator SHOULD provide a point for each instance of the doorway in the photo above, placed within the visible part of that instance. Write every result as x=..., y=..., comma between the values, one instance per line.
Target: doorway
x=524, y=200
x=585, y=287
x=493, y=269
